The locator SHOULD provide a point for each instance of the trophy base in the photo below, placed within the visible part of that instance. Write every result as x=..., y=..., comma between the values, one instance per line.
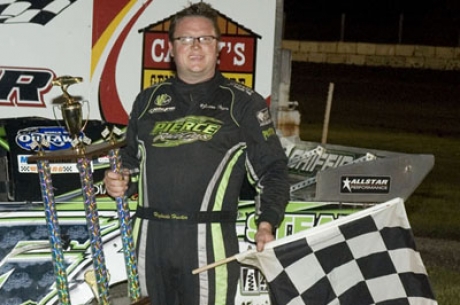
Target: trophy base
x=125, y=301
x=142, y=301
x=118, y=293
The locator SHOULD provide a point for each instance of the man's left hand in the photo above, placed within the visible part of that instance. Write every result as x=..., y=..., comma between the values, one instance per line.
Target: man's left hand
x=264, y=235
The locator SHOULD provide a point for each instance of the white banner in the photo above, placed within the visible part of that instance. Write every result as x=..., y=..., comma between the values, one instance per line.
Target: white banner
x=111, y=45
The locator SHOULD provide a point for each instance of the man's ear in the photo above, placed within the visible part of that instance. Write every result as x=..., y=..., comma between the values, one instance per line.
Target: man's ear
x=220, y=46
x=171, y=49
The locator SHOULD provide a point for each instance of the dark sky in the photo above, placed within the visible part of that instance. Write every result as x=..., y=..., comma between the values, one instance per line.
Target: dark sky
x=428, y=22
x=297, y=7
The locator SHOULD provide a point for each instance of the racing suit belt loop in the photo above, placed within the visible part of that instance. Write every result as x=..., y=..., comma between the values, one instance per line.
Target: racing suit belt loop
x=195, y=217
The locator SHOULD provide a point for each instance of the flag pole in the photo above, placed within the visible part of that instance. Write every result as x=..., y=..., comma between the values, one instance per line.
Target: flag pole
x=215, y=264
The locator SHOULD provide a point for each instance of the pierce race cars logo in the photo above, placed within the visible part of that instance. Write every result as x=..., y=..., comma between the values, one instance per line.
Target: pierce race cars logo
x=365, y=185
x=184, y=131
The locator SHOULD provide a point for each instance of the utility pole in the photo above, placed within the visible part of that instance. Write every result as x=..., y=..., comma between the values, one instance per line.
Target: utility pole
x=275, y=96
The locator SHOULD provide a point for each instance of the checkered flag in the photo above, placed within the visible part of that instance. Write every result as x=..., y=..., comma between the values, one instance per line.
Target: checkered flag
x=368, y=257
x=31, y=11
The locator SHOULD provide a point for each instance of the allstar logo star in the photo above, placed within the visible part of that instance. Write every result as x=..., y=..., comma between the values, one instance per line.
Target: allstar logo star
x=346, y=184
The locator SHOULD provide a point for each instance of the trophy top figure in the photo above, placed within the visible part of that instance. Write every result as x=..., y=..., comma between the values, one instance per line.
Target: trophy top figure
x=64, y=82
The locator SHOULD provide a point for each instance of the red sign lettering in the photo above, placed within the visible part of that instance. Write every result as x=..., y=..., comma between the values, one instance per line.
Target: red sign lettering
x=156, y=51
x=237, y=54
x=24, y=87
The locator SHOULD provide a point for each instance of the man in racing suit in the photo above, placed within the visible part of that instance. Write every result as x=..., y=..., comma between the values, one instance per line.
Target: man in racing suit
x=193, y=142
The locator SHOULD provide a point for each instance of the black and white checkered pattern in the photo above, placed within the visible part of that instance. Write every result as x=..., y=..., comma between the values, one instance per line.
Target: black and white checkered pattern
x=31, y=11
x=368, y=257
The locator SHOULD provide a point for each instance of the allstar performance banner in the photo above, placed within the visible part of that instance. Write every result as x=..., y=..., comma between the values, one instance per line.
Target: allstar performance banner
x=118, y=47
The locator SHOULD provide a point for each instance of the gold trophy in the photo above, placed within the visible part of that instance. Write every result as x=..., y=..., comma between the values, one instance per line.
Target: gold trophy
x=82, y=152
x=71, y=110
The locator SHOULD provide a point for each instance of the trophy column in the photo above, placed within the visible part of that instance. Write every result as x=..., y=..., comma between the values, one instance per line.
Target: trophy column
x=126, y=233
x=94, y=229
x=54, y=232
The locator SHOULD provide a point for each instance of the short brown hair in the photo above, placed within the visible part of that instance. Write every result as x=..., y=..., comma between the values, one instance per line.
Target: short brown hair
x=200, y=9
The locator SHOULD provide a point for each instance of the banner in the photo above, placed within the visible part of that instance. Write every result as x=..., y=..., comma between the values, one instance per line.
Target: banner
x=118, y=47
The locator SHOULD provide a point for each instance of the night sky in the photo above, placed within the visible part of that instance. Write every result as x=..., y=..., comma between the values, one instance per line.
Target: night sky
x=429, y=22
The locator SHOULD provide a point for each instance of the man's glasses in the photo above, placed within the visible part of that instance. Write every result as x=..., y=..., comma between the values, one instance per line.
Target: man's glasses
x=203, y=40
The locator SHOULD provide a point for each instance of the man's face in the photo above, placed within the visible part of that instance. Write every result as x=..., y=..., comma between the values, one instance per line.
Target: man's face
x=195, y=62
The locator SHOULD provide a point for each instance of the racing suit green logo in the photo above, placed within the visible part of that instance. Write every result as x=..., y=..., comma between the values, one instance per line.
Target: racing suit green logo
x=184, y=131
x=162, y=100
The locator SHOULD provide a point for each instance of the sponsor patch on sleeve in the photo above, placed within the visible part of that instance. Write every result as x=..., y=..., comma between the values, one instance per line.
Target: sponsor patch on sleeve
x=263, y=116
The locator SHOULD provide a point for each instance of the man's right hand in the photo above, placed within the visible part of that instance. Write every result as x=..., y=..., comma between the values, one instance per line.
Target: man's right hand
x=116, y=184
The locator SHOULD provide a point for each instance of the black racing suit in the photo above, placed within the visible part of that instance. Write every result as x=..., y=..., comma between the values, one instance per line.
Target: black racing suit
x=193, y=146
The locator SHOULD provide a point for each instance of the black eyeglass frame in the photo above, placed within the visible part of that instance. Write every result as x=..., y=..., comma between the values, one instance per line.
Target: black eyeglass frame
x=190, y=40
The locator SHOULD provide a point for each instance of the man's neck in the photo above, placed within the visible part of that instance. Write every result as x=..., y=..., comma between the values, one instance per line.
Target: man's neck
x=192, y=80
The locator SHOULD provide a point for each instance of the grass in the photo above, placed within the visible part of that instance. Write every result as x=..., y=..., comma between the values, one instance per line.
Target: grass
x=446, y=284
